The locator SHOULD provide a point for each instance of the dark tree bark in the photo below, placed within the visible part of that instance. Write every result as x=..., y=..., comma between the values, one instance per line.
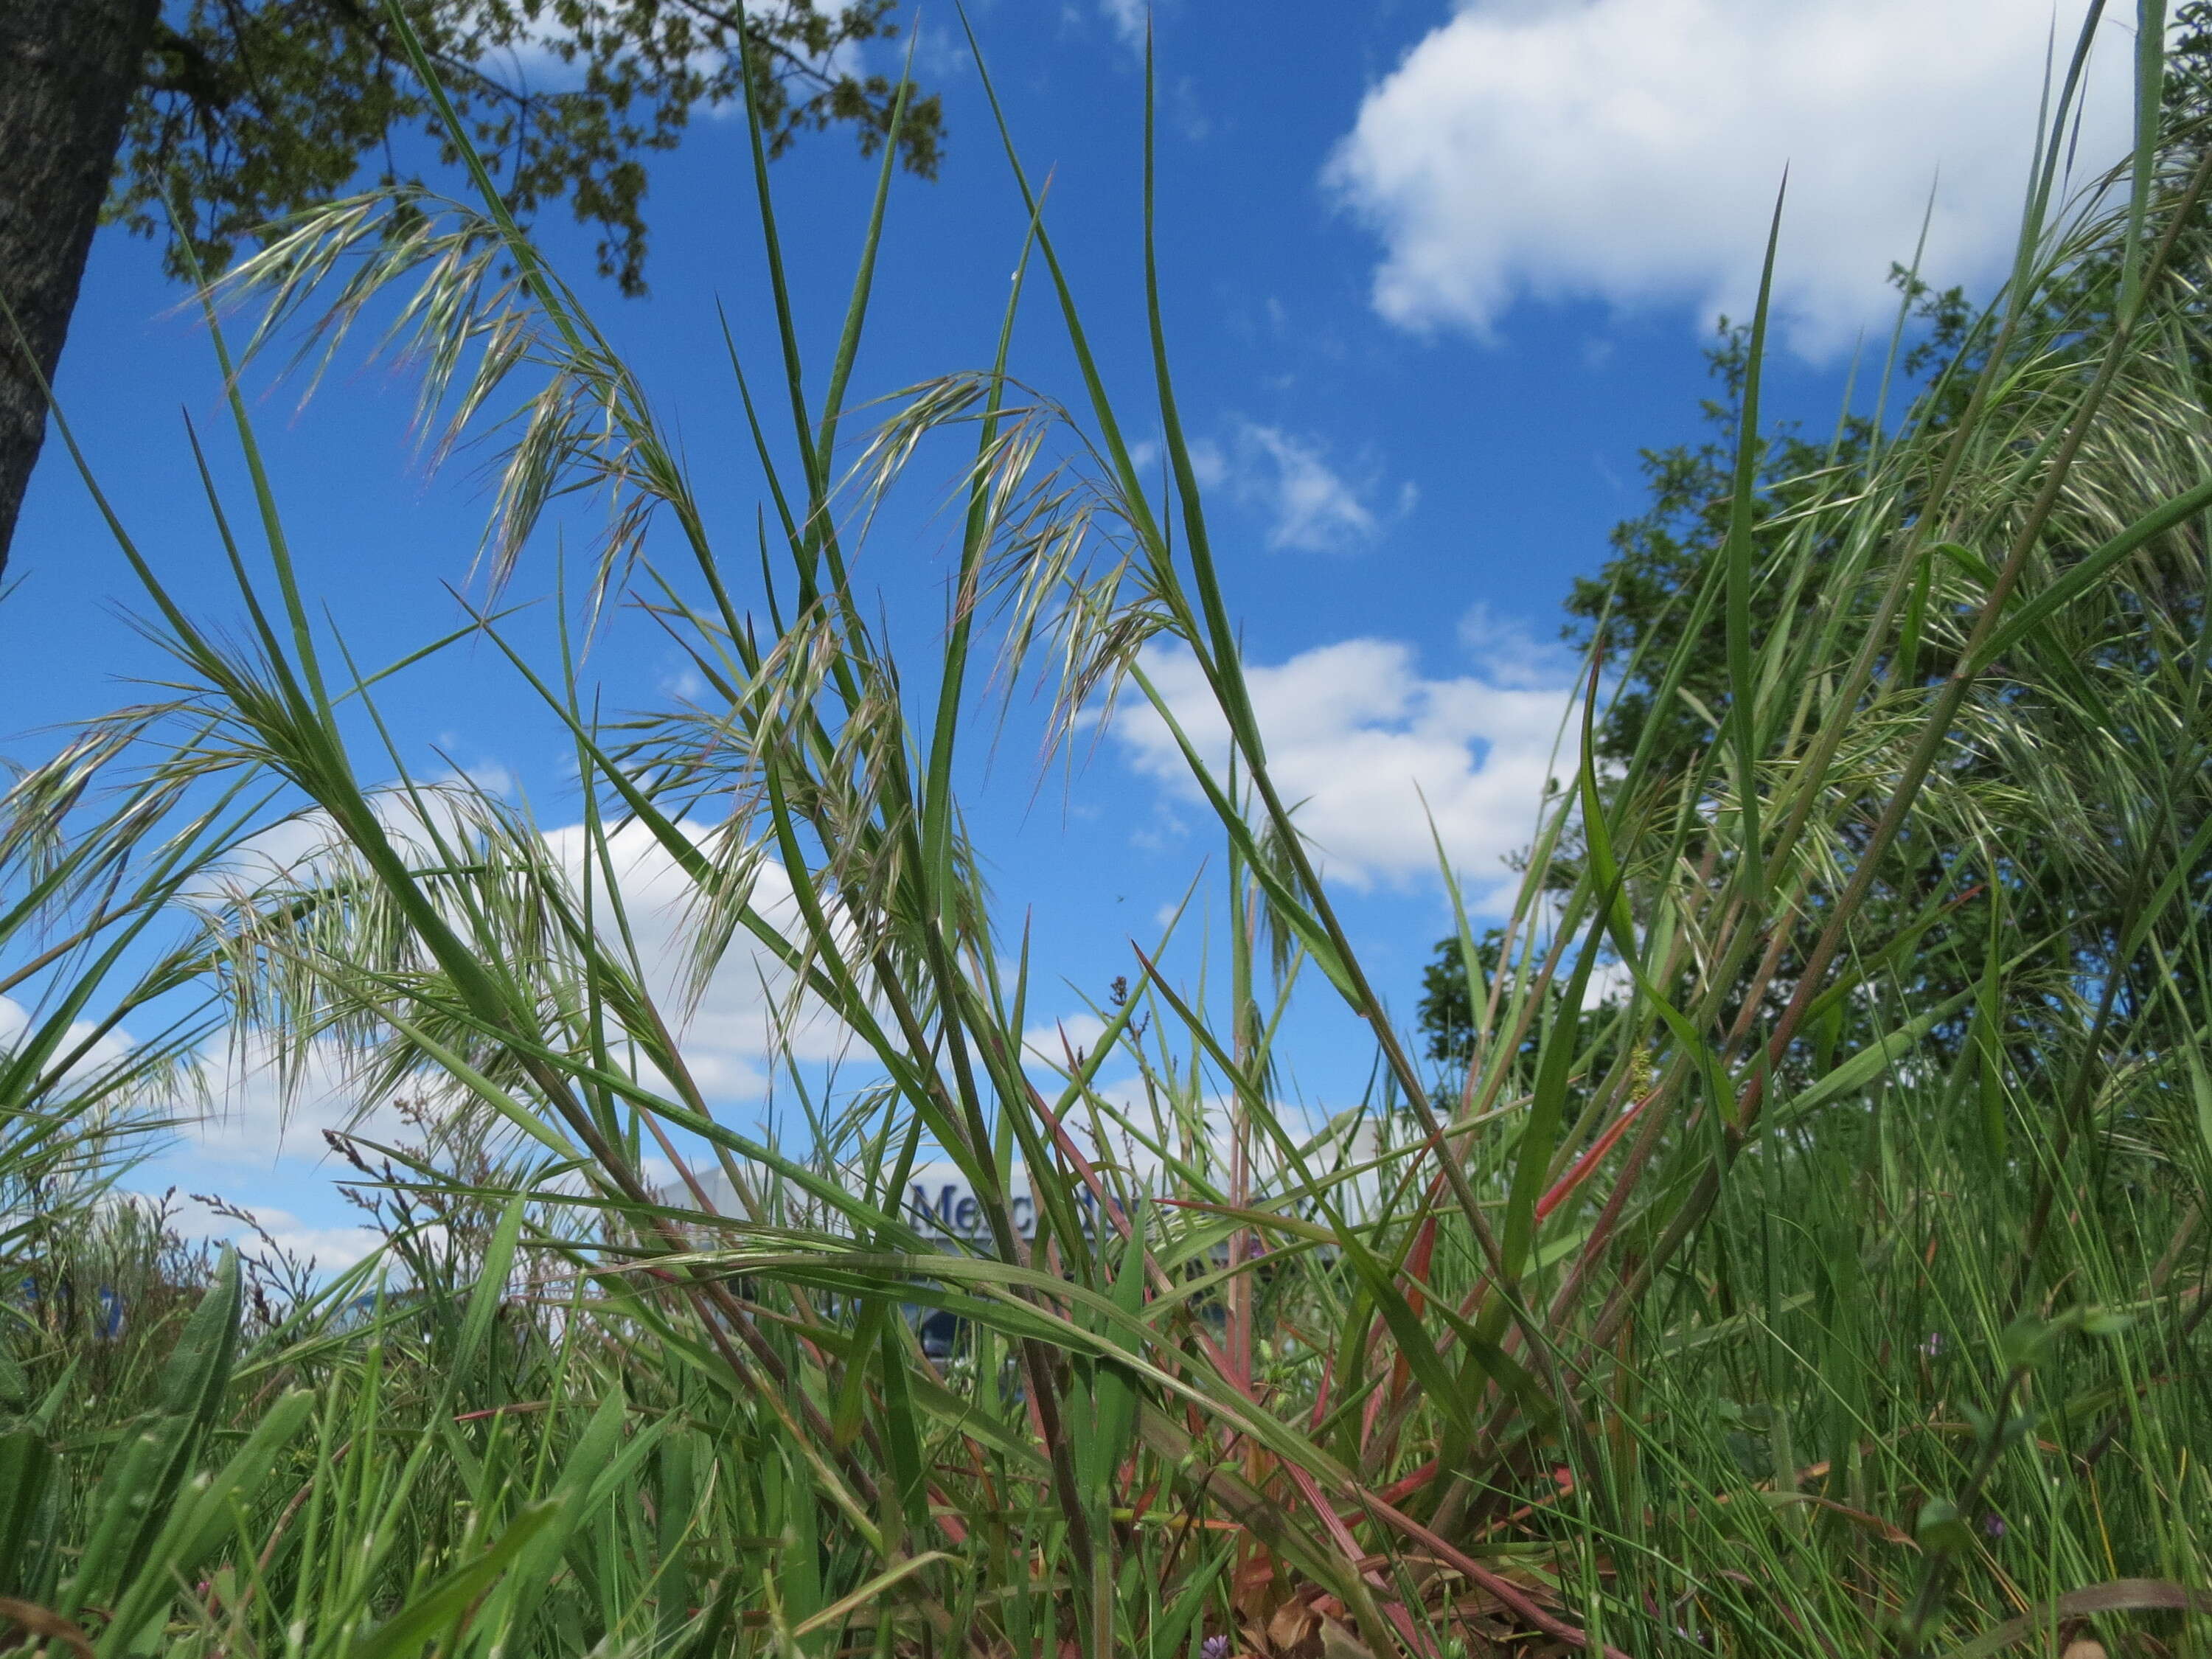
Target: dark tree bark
x=68, y=68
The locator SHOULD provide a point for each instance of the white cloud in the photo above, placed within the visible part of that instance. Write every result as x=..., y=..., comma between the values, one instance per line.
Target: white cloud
x=329, y=1248
x=1128, y=18
x=1208, y=464
x=1507, y=653
x=732, y=1033
x=106, y=1050
x=1369, y=751
x=736, y=1031
x=1629, y=150
x=455, y=806
x=1052, y=1043
x=253, y=1120
x=1310, y=506
x=731, y=1038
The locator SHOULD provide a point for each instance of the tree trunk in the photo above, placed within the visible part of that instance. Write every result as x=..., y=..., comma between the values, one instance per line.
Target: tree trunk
x=68, y=68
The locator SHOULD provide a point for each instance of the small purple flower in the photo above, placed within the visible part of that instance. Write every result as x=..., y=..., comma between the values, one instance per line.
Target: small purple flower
x=1214, y=1647
x=1993, y=1524
x=1933, y=1347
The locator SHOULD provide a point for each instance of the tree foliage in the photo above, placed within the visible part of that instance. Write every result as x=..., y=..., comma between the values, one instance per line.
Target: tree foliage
x=1650, y=617
x=253, y=111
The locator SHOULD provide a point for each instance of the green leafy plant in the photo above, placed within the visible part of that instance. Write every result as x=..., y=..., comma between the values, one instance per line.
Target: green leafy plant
x=1664, y=1333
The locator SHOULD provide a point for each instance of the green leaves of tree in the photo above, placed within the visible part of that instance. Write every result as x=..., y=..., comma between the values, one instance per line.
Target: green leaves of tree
x=253, y=111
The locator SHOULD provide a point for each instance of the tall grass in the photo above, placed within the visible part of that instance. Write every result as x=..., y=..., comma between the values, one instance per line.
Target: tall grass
x=1835, y=1288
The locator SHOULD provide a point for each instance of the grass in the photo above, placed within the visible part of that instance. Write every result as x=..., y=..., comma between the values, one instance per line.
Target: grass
x=1835, y=1288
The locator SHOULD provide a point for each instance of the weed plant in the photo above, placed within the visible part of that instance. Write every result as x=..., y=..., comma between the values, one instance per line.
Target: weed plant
x=1836, y=1286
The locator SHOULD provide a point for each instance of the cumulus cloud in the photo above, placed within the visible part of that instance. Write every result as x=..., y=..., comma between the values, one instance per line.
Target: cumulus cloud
x=1311, y=504
x=1052, y=1044
x=102, y=1049
x=253, y=1118
x=1372, y=751
x=737, y=1028
x=732, y=1029
x=1629, y=151
x=327, y=1249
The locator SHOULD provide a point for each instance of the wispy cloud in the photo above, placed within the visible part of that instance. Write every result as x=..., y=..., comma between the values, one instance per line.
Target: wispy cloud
x=1506, y=653
x=1128, y=18
x=1310, y=504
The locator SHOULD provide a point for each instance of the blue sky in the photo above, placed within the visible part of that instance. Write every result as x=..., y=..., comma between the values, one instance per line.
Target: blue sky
x=1434, y=275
